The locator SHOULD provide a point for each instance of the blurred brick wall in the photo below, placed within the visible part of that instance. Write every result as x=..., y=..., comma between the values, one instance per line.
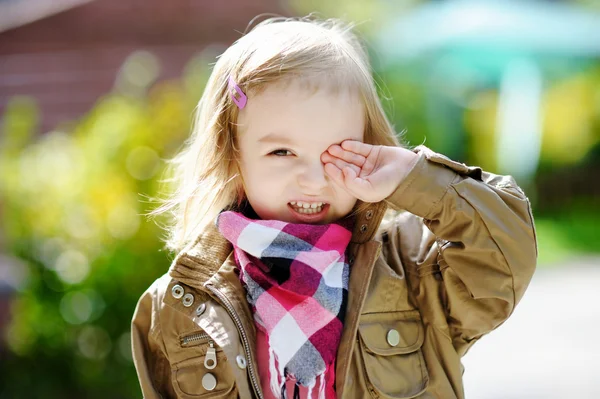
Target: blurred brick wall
x=66, y=61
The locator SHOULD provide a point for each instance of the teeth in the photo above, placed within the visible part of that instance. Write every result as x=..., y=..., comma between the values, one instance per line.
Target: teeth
x=306, y=205
x=306, y=208
x=308, y=211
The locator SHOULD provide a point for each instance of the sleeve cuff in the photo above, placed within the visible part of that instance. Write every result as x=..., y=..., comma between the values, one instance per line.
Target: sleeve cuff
x=423, y=187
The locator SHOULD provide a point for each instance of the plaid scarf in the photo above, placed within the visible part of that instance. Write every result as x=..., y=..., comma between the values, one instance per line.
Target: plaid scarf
x=296, y=278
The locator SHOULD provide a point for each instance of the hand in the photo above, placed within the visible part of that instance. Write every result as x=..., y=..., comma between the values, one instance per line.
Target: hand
x=371, y=173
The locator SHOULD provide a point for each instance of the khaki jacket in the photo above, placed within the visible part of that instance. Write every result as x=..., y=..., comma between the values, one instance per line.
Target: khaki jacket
x=424, y=286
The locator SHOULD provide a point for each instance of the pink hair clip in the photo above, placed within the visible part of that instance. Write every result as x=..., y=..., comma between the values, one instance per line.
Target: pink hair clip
x=242, y=99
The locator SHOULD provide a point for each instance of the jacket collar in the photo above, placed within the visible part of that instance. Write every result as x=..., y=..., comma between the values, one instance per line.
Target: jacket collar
x=202, y=259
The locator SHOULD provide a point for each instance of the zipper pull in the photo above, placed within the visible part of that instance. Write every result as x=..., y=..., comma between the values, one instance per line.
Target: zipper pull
x=210, y=360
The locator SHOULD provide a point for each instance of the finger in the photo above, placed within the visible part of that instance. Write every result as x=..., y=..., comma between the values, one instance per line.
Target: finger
x=354, y=182
x=339, y=163
x=328, y=158
x=357, y=147
x=347, y=156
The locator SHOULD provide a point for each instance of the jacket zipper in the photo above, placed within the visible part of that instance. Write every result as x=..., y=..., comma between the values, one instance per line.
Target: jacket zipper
x=238, y=323
x=210, y=358
x=195, y=337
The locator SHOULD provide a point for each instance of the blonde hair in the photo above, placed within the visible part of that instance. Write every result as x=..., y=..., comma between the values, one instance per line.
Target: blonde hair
x=206, y=172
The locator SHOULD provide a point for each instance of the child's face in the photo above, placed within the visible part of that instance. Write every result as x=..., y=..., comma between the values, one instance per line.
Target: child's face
x=302, y=124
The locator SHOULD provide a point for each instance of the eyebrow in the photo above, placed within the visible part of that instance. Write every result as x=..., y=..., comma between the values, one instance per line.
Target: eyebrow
x=275, y=138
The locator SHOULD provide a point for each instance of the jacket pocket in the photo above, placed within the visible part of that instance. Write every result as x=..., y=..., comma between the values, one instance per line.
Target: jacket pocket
x=390, y=346
x=206, y=373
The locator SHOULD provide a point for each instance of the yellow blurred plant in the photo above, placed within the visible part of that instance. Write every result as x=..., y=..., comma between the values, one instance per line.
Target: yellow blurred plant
x=72, y=202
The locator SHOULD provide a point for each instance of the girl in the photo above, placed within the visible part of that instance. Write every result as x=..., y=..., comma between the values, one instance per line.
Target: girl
x=316, y=256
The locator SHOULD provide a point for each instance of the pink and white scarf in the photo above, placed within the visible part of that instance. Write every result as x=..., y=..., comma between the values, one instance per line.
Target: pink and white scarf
x=296, y=276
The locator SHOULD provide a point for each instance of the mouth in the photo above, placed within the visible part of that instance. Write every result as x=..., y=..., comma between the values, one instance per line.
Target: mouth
x=309, y=215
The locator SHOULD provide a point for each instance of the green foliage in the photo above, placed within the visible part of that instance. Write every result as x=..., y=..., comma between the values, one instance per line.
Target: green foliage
x=72, y=205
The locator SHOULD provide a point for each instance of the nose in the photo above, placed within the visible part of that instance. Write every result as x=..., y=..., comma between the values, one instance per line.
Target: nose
x=312, y=178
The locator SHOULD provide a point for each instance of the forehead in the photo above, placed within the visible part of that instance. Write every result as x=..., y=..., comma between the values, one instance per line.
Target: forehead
x=295, y=113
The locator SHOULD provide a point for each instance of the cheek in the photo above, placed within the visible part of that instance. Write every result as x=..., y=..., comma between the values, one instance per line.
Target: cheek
x=271, y=171
x=259, y=177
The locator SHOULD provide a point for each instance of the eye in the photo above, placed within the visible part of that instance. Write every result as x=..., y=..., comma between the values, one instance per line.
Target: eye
x=280, y=151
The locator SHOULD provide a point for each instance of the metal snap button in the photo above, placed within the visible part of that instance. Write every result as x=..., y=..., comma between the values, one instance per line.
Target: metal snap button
x=200, y=309
x=177, y=291
x=209, y=382
x=363, y=228
x=369, y=214
x=351, y=260
x=188, y=300
x=393, y=337
x=241, y=361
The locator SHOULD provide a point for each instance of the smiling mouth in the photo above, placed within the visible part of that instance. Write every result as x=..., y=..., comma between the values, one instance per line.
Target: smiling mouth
x=309, y=215
x=308, y=211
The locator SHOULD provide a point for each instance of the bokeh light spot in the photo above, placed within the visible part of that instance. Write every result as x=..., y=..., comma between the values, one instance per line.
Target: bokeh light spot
x=72, y=266
x=123, y=221
x=142, y=163
x=124, y=345
x=93, y=342
x=76, y=307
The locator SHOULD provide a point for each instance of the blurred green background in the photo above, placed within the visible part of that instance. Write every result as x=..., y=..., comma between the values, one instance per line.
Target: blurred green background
x=511, y=86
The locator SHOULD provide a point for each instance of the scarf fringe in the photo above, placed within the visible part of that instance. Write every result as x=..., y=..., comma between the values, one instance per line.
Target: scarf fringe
x=321, y=391
x=281, y=390
x=296, y=391
x=310, y=388
x=276, y=377
x=322, y=386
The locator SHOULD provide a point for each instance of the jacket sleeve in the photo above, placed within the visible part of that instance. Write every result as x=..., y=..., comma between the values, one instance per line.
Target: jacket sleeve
x=148, y=348
x=484, y=236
